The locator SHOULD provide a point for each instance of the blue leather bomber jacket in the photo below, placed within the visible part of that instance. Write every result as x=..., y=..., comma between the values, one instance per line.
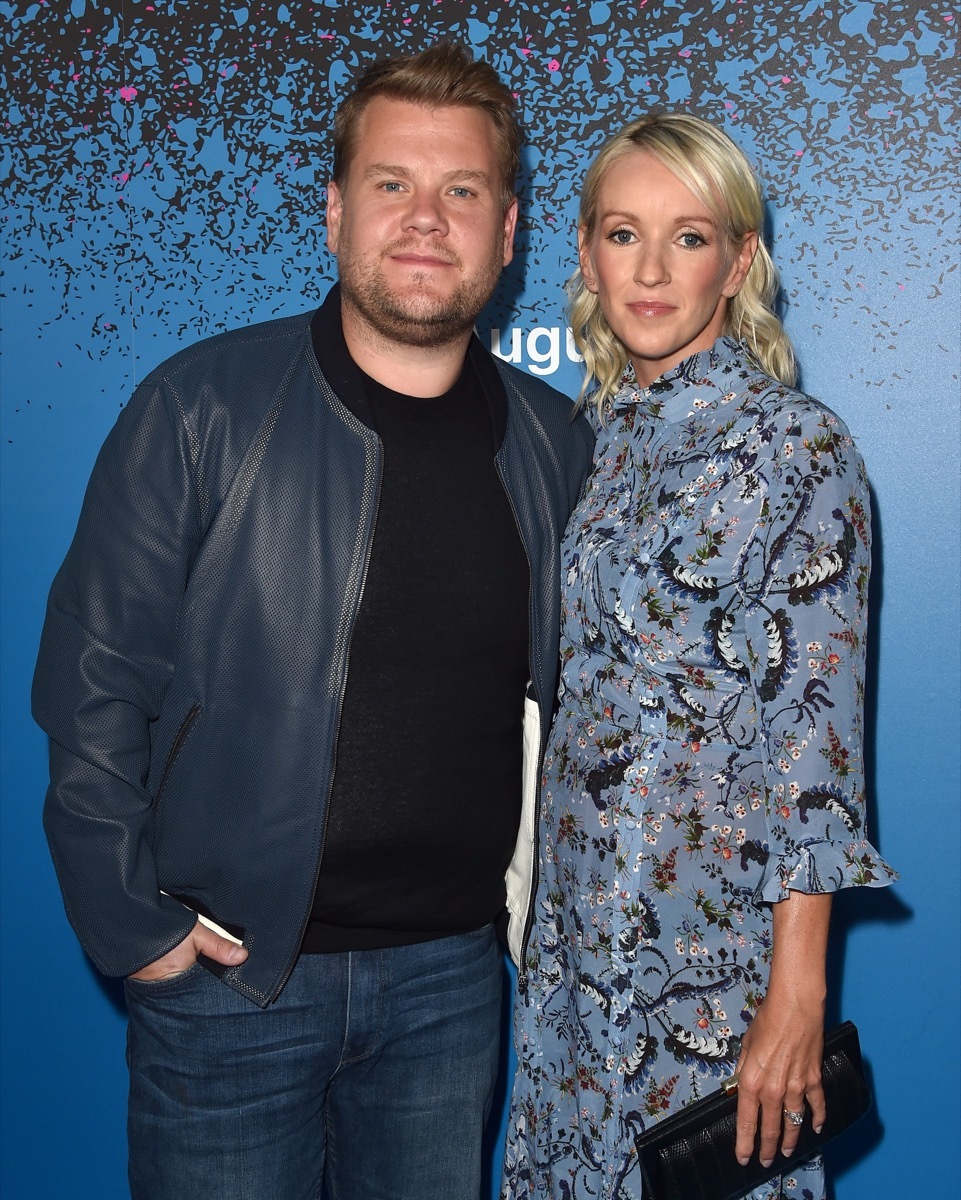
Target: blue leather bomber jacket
x=196, y=641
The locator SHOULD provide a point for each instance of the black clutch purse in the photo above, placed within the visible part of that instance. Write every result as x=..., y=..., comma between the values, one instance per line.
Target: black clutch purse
x=690, y=1156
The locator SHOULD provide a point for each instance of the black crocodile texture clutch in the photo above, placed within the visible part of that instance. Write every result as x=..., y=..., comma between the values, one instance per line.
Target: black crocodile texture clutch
x=690, y=1156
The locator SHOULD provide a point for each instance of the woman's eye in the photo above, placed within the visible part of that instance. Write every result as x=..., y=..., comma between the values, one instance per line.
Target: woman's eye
x=692, y=240
x=620, y=237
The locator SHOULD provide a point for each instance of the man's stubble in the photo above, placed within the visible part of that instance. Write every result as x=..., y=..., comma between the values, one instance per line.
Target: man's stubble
x=417, y=316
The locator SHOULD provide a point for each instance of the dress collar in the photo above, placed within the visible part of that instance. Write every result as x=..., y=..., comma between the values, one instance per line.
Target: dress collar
x=696, y=384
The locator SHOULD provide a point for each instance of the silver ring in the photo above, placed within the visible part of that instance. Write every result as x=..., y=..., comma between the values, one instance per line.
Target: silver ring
x=796, y=1118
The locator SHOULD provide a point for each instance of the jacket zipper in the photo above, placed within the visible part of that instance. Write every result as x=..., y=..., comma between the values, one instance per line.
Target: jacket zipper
x=340, y=709
x=186, y=725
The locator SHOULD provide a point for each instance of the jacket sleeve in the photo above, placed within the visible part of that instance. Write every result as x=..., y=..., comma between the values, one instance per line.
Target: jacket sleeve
x=106, y=657
x=807, y=627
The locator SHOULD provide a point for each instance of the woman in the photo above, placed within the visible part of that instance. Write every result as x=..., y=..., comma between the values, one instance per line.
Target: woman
x=703, y=789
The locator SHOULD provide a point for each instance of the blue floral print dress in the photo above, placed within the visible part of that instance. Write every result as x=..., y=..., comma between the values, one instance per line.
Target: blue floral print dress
x=705, y=759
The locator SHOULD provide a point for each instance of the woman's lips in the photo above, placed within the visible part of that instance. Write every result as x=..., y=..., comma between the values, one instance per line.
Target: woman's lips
x=650, y=308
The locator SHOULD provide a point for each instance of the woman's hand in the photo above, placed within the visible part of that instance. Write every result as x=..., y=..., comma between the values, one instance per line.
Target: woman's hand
x=781, y=1053
x=779, y=1067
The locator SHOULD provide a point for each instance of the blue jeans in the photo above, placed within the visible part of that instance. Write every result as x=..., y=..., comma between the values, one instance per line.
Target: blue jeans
x=369, y=1078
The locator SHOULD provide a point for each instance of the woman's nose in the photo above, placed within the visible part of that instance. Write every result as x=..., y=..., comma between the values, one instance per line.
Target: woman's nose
x=650, y=267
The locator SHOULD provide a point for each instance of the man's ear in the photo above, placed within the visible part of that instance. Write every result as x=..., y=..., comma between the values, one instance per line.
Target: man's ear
x=510, y=228
x=335, y=208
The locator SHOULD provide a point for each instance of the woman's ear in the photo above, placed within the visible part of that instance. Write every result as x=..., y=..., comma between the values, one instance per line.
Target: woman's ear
x=743, y=258
x=584, y=260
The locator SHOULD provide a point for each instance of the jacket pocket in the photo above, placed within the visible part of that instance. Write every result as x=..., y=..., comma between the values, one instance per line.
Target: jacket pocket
x=178, y=744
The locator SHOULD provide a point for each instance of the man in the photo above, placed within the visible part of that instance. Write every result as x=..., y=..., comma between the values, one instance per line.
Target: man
x=283, y=672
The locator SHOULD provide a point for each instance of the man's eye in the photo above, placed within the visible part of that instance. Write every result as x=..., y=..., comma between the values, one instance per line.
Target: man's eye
x=462, y=193
x=391, y=186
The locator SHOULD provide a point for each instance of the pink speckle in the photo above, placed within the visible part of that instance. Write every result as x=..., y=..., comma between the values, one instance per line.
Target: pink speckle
x=798, y=153
x=553, y=65
x=525, y=51
x=785, y=78
x=684, y=53
x=948, y=16
x=128, y=93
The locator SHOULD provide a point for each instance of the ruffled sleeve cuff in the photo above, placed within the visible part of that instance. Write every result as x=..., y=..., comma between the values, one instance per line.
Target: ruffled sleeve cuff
x=823, y=866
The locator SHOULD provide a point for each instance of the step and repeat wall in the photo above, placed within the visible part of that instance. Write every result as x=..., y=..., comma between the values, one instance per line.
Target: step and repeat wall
x=164, y=171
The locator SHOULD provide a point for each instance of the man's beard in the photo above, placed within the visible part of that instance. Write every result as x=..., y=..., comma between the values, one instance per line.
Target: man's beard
x=416, y=316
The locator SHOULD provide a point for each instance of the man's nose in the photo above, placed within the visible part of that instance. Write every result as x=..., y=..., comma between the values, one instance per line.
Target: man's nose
x=426, y=214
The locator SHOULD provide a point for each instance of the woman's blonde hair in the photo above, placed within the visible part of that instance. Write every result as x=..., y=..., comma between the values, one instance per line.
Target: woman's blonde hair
x=718, y=173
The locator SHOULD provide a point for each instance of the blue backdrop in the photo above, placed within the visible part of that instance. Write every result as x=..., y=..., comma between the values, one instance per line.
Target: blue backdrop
x=163, y=178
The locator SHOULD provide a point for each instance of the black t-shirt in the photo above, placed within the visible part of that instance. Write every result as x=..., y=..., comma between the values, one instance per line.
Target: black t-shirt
x=426, y=793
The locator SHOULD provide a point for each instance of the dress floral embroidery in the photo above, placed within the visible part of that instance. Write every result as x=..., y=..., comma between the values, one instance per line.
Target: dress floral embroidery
x=705, y=759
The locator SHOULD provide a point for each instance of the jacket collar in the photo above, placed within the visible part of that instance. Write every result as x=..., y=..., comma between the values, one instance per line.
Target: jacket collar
x=333, y=357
